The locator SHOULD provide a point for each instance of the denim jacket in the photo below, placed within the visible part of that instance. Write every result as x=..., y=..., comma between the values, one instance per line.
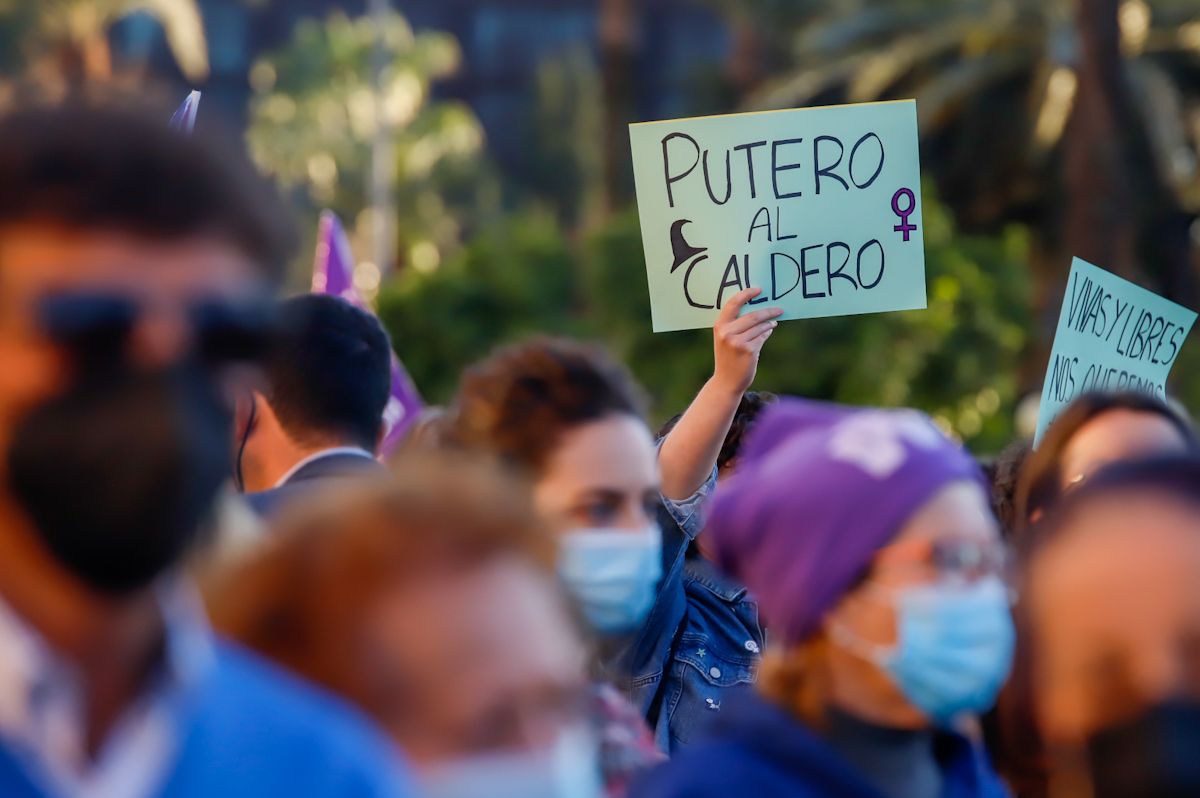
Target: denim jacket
x=701, y=639
x=717, y=649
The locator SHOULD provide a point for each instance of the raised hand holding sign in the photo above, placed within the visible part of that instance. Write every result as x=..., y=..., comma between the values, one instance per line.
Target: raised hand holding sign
x=738, y=340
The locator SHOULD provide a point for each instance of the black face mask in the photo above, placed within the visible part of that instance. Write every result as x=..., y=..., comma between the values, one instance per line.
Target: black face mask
x=118, y=474
x=1155, y=755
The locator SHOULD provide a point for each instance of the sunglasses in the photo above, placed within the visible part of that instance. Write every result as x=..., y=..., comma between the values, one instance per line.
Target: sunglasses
x=97, y=327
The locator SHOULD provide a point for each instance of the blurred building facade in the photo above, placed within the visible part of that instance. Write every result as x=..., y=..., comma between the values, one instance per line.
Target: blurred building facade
x=503, y=42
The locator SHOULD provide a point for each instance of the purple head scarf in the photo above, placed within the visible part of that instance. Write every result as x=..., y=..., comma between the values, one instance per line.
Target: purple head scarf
x=819, y=489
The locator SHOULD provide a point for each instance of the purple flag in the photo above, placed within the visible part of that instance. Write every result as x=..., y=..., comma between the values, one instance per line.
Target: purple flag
x=333, y=273
x=184, y=119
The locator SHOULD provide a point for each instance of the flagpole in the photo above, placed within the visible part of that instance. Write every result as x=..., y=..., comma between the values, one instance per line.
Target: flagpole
x=383, y=158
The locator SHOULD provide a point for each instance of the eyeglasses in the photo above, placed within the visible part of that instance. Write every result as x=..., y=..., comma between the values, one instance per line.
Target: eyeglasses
x=966, y=557
x=97, y=327
x=969, y=557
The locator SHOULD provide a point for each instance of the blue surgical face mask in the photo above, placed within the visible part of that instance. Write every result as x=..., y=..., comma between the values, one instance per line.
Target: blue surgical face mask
x=954, y=650
x=568, y=769
x=612, y=574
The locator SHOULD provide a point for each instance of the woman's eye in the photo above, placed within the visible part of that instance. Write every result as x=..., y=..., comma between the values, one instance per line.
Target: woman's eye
x=599, y=514
x=651, y=507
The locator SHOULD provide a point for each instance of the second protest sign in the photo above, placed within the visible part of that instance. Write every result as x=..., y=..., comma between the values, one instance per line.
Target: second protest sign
x=1112, y=336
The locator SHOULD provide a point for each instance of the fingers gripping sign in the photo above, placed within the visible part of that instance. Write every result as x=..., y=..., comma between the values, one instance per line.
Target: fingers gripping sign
x=738, y=340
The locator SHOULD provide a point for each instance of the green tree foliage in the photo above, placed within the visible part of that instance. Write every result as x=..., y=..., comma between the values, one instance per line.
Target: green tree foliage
x=513, y=280
x=957, y=360
x=316, y=113
x=562, y=164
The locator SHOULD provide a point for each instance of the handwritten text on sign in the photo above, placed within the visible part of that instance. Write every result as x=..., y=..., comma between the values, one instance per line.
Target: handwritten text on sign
x=819, y=207
x=1112, y=336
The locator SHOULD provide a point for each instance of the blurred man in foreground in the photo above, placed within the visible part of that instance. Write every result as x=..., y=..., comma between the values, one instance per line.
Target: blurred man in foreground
x=1115, y=609
x=134, y=265
x=320, y=414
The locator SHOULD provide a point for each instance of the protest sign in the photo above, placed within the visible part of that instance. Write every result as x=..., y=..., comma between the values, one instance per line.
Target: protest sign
x=819, y=207
x=333, y=273
x=1112, y=336
x=184, y=118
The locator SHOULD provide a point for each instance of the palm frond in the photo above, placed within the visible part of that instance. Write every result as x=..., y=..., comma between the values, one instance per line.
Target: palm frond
x=938, y=99
x=890, y=64
x=799, y=88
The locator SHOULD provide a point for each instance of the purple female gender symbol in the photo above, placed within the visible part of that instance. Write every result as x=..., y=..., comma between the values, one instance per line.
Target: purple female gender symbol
x=903, y=213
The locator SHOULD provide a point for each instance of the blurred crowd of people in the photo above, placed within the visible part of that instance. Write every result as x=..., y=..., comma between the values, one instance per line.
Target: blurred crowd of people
x=212, y=584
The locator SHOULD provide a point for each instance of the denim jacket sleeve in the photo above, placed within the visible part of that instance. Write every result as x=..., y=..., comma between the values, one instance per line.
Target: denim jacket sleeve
x=689, y=513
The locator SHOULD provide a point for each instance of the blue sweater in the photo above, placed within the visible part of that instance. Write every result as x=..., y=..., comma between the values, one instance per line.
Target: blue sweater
x=253, y=731
x=757, y=749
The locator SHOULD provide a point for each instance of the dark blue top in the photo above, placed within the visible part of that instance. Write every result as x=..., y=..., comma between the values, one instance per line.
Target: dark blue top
x=266, y=503
x=251, y=730
x=758, y=749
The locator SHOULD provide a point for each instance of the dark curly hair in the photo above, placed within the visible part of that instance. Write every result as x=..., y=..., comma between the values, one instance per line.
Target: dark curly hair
x=1004, y=474
x=517, y=402
x=751, y=405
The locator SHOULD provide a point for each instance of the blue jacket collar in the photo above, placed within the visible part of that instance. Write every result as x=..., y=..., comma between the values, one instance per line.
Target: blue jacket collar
x=331, y=462
x=701, y=571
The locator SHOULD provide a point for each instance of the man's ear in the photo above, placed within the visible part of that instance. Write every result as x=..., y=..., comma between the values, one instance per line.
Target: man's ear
x=244, y=410
x=241, y=414
x=249, y=411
